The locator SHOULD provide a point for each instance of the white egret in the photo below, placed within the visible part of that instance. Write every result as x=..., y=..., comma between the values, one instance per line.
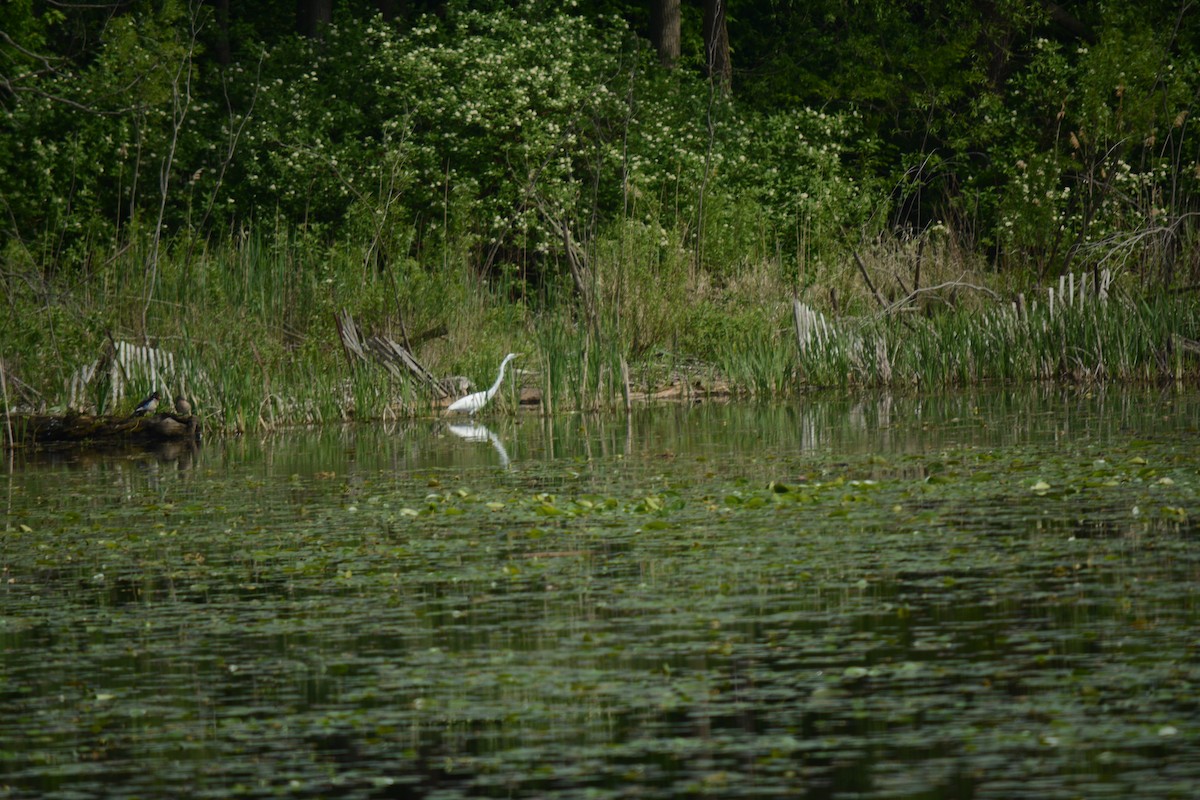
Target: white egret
x=473, y=402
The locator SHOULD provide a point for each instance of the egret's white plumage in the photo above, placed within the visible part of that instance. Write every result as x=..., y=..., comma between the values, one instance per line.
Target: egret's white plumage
x=473, y=402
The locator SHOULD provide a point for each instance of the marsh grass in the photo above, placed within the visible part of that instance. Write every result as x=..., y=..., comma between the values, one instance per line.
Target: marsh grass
x=1112, y=335
x=760, y=362
x=580, y=365
x=252, y=320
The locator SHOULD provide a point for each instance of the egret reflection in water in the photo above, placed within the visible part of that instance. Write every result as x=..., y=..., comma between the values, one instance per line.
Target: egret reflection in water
x=481, y=433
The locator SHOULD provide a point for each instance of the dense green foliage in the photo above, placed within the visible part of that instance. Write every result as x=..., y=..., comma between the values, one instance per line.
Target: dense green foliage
x=1038, y=135
x=488, y=129
x=156, y=158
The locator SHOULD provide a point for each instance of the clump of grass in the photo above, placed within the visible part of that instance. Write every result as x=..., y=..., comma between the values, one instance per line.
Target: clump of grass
x=582, y=366
x=760, y=360
x=1067, y=336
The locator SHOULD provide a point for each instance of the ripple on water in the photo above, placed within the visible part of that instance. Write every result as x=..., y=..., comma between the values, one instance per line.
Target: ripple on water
x=800, y=602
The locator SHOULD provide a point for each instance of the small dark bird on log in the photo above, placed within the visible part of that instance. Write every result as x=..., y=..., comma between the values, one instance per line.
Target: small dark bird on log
x=182, y=406
x=147, y=406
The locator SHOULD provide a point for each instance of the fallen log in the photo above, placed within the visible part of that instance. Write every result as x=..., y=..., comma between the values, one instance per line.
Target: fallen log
x=400, y=362
x=43, y=429
x=393, y=356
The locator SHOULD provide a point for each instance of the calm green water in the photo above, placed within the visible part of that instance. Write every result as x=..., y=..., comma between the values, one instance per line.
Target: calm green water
x=984, y=596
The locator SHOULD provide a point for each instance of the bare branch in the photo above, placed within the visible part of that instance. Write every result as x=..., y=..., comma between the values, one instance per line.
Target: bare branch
x=956, y=284
x=862, y=268
x=47, y=61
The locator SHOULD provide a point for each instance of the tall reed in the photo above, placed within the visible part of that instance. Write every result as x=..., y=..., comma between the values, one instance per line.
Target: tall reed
x=250, y=322
x=1108, y=336
x=582, y=366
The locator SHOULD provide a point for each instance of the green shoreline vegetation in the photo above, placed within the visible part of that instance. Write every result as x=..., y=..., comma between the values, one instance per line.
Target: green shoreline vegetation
x=876, y=196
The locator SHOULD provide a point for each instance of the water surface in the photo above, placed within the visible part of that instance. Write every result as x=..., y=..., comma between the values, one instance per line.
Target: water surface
x=986, y=595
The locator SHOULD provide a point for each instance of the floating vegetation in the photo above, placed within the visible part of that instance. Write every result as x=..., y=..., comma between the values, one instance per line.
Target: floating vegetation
x=986, y=595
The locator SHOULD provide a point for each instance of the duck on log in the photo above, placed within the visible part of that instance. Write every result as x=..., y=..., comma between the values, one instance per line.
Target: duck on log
x=75, y=428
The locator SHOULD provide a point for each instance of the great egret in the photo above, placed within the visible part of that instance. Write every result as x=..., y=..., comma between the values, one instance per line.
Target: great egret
x=473, y=402
x=182, y=406
x=147, y=406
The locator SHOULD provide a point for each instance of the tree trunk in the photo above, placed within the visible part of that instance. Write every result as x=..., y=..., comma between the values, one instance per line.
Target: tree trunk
x=716, y=44
x=664, y=30
x=390, y=9
x=223, y=54
x=312, y=16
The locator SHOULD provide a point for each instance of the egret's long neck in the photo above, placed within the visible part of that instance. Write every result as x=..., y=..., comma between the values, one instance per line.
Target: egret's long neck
x=499, y=379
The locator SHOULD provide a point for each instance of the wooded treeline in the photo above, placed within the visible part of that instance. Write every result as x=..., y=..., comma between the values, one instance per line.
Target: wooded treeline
x=1035, y=133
